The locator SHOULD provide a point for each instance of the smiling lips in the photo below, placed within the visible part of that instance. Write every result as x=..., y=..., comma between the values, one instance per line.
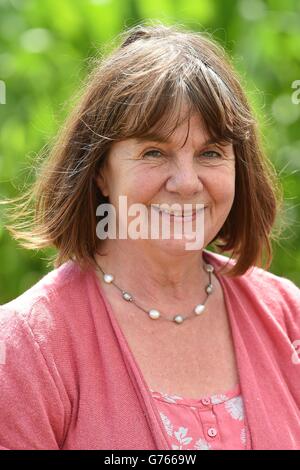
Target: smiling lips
x=187, y=215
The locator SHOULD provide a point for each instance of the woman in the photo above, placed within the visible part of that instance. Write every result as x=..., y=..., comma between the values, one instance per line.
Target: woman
x=141, y=342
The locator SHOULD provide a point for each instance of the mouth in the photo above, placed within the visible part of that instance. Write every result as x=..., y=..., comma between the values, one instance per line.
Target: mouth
x=178, y=215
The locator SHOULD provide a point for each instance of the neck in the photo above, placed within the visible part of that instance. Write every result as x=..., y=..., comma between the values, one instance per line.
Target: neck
x=166, y=275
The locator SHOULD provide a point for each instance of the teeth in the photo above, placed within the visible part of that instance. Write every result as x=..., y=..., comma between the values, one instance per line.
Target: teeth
x=171, y=212
x=175, y=213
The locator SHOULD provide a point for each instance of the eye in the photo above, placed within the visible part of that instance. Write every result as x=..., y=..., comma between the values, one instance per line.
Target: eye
x=151, y=153
x=211, y=154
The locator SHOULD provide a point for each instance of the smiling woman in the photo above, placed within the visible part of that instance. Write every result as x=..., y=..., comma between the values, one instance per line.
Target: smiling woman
x=145, y=90
x=138, y=342
x=181, y=172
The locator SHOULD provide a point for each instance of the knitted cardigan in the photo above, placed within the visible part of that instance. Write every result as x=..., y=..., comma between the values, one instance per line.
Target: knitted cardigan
x=69, y=380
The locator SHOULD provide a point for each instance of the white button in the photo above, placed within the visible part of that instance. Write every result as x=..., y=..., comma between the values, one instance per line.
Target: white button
x=212, y=432
x=205, y=401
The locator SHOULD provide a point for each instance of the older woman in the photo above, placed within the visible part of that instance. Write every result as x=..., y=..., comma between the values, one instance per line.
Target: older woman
x=137, y=342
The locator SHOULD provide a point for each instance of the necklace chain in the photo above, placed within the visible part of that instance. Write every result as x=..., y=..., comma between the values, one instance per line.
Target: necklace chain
x=156, y=314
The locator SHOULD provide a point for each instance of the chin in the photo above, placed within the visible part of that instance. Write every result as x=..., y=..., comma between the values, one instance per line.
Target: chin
x=179, y=246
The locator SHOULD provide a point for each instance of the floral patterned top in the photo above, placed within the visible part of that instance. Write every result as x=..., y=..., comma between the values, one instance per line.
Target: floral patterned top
x=209, y=423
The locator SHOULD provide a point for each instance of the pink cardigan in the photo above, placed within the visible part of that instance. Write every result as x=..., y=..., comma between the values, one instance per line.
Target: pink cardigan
x=69, y=381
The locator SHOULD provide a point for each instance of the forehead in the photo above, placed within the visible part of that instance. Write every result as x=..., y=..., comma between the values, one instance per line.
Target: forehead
x=173, y=130
x=190, y=128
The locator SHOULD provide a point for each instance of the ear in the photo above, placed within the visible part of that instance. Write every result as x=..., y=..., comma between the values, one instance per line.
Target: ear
x=101, y=183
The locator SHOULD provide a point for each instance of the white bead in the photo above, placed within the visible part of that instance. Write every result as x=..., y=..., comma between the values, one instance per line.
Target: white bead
x=199, y=309
x=209, y=268
x=209, y=288
x=178, y=319
x=154, y=314
x=108, y=278
x=127, y=296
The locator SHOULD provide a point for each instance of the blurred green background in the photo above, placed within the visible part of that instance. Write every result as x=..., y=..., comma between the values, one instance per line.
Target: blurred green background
x=45, y=46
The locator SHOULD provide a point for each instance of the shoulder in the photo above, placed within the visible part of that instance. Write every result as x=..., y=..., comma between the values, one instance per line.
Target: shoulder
x=40, y=310
x=54, y=281
x=259, y=278
x=277, y=293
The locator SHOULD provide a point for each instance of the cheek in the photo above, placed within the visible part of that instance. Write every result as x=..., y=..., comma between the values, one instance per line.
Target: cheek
x=137, y=190
x=143, y=187
x=221, y=189
x=121, y=184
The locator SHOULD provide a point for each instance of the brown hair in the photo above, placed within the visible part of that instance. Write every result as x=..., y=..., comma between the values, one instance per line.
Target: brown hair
x=132, y=93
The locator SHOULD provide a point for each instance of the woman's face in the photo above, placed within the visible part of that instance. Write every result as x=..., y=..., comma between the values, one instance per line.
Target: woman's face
x=155, y=173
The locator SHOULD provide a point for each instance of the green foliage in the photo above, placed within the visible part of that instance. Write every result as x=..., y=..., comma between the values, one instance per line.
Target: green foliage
x=45, y=48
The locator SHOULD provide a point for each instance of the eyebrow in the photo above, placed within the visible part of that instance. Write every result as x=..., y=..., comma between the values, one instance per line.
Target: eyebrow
x=156, y=139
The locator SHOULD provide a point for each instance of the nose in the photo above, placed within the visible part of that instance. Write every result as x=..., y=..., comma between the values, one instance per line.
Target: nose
x=184, y=178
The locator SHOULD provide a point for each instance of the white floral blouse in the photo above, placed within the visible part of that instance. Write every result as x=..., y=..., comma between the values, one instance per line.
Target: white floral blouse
x=209, y=423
